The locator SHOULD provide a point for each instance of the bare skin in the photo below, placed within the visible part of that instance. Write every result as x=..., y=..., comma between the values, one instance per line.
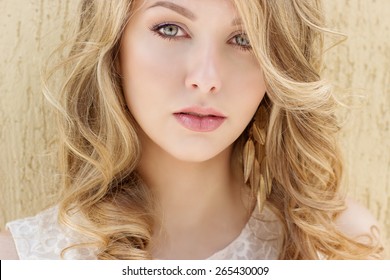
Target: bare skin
x=203, y=206
x=7, y=245
x=187, y=164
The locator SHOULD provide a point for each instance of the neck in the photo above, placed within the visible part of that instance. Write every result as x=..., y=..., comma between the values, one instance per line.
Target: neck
x=195, y=196
x=190, y=188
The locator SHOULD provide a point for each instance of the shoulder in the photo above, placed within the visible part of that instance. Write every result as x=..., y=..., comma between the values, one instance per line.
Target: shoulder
x=7, y=245
x=357, y=222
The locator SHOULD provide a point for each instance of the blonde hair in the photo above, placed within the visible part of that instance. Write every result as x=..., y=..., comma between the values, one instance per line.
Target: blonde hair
x=100, y=148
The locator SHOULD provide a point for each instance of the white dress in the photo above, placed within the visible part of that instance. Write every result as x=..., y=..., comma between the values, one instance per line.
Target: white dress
x=42, y=238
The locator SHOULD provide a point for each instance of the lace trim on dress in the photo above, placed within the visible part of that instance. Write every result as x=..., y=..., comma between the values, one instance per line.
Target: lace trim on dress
x=260, y=239
x=42, y=238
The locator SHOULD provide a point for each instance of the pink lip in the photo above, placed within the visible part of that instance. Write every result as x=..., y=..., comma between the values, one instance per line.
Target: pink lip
x=200, y=119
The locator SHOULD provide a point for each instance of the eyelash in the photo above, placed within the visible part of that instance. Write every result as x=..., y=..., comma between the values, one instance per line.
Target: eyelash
x=156, y=30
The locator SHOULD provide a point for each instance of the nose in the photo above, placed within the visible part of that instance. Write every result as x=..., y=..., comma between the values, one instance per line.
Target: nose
x=204, y=71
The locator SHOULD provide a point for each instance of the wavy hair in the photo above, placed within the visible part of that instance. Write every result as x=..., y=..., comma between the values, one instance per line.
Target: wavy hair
x=100, y=149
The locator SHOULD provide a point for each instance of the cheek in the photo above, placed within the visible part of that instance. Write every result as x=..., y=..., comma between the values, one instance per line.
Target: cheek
x=151, y=84
x=248, y=90
x=245, y=78
x=148, y=64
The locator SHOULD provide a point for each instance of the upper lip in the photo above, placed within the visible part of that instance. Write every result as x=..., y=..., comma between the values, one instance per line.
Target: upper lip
x=201, y=111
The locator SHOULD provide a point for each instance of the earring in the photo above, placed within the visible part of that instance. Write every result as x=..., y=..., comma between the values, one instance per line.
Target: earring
x=256, y=172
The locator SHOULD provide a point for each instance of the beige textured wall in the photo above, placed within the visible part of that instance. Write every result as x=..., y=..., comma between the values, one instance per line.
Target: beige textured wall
x=361, y=67
x=30, y=28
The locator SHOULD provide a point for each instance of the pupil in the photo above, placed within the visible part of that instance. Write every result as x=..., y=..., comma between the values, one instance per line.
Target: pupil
x=170, y=30
x=242, y=41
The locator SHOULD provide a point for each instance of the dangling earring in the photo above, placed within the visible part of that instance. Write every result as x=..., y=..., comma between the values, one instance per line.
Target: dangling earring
x=256, y=172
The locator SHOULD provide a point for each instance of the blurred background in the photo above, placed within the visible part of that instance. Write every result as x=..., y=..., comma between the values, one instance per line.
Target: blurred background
x=358, y=67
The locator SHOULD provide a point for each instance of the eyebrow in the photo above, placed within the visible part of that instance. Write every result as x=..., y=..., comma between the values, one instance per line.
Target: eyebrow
x=185, y=12
x=174, y=7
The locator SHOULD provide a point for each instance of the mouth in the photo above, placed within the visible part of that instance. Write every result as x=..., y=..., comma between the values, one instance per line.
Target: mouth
x=198, y=115
x=201, y=112
x=200, y=119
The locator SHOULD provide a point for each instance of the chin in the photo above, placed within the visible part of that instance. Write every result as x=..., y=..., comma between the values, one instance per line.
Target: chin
x=195, y=155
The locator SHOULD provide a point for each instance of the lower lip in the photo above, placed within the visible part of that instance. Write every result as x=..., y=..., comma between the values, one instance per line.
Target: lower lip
x=198, y=123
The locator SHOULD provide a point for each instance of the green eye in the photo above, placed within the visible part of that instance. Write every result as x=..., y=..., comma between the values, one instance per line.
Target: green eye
x=242, y=40
x=169, y=30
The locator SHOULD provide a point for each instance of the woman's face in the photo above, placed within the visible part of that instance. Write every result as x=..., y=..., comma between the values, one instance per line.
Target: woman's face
x=189, y=77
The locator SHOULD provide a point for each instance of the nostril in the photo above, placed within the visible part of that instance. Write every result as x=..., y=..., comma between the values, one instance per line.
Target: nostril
x=211, y=90
x=205, y=87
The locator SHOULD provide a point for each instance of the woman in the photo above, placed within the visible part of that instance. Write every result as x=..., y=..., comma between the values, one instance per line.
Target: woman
x=193, y=130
